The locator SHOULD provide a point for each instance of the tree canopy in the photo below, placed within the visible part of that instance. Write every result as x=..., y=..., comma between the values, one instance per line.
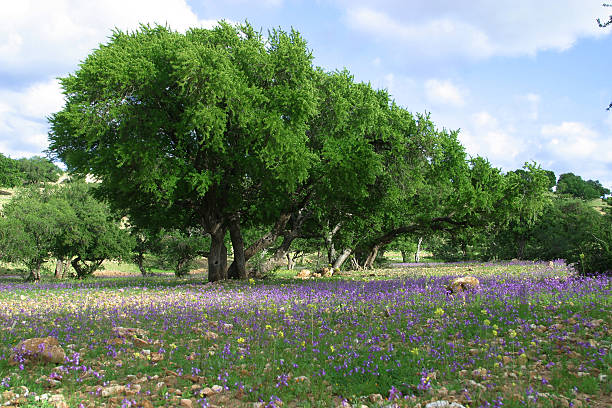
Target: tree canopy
x=226, y=132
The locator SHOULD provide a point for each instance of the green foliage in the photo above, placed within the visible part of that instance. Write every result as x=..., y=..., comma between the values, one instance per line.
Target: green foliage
x=9, y=172
x=93, y=233
x=574, y=185
x=189, y=130
x=65, y=222
x=177, y=250
x=166, y=119
x=38, y=169
x=28, y=232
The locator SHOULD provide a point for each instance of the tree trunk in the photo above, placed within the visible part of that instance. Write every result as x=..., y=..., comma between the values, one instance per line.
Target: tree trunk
x=34, y=275
x=417, y=256
x=329, y=243
x=261, y=244
x=139, y=259
x=372, y=254
x=237, y=269
x=339, y=261
x=217, y=258
x=59, y=269
x=290, y=261
x=404, y=256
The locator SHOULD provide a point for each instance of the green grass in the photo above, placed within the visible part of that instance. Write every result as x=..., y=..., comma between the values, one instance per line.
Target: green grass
x=333, y=332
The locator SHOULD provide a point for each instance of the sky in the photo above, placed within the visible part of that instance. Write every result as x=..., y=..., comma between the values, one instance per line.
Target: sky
x=523, y=80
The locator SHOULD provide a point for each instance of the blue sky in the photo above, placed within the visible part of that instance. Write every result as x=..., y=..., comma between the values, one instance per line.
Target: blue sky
x=524, y=80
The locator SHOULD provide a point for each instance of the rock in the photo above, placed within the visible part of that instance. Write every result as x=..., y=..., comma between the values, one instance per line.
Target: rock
x=376, y=398
x=479, y=373
x=326, y=272
x=45, y=349
x=58, y=401
x=186, y=403
x=129, y=332
x=576, y=403
x=551, y=264
x=303, y=274
x=217, y=388
x=142, y=343
x=8, y=396
x=211, y=335
x=444, y=404
x=463, y=284
x=207, y=391
x=112, y=390
x=147, y=404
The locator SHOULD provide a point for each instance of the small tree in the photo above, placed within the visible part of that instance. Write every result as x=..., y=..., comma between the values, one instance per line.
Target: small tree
x=28, y=231
x=9, y=172
x=38, y=170
x=178, y=250
x=92, y=234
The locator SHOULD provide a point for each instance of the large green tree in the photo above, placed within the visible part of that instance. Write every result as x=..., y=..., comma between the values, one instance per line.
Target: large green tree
x=190, y=130
x=10, y=175
x=574, y=185
x=38, y=169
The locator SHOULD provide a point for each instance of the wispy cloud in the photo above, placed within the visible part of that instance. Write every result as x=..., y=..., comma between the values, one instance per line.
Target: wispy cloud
x=443, y=92
x=505, y=27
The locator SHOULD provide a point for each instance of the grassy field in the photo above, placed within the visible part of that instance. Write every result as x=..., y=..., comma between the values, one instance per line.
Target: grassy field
x=534, y=335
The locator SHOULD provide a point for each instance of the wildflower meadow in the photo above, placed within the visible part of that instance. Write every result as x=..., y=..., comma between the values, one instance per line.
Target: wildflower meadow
x=531, y=335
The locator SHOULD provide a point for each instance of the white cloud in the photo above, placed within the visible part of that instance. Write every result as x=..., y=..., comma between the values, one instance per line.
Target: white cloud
x=23, y=113
x=533, y=102
x=575, y=140
x=486, y=28
x=484, y=136
x=60, y=33
x=443, y=92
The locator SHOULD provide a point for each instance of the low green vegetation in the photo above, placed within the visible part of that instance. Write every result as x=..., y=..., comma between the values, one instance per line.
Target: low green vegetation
x=532, y=334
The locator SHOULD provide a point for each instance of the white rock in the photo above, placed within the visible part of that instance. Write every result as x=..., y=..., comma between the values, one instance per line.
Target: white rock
x=443, y=404
x=113, y=390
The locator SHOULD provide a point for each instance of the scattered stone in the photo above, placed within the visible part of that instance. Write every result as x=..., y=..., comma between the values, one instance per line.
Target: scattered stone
x=303, y=274
x=211, y=335
x=479, y=373
x=138, y=342
x=45, y=349
x=147, y=404
x=217, y=388
x=376, y=398
x=551, y=264
x=576, y=403
x=127, y=332
x=58, y=401
x=8, y=395
x=326, y=272
x=186, y=403
x=112, y=390
x=463, y=284
x=207, y=391
x=444, y=404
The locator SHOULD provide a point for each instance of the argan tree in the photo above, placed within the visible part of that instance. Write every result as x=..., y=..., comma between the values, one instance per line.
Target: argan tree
x=189, y=130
